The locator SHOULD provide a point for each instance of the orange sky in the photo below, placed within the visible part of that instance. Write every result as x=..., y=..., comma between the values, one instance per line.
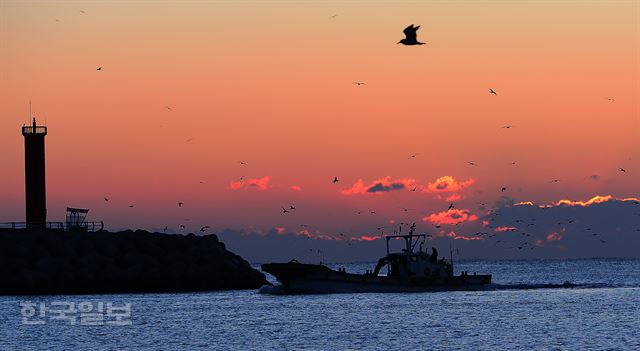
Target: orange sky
x=270, y=83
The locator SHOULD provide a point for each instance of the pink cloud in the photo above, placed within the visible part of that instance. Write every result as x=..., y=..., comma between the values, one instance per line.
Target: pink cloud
x=594, y=200
x=570, y=203
x=296, y=188
x=524, y=203
x=447, y=184
x=252, y=183
x=453, y=216
x=380, y=186
x=454, y=197
x=554, y=236
x=368, y=238
x=280, y=230
x=456, y=236
x=505, y=229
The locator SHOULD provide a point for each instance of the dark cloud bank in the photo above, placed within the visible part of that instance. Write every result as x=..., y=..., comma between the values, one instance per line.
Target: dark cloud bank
x=607, y=229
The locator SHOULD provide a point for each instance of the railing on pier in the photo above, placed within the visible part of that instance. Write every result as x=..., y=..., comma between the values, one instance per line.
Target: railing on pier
x=85, y=226
x=34, y=130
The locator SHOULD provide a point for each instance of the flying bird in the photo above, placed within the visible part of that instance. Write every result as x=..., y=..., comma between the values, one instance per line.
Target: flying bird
x=99, y=69
x=168, y=108
x=106, y=199
x=284, y=210
x=504, y=188
x=411, y=36
x=493, y=92
x=179, y=204
x=165, y=229
x=204, y=228
x=611, y=99
x=243, y=163
x=414, y=188
x=623, y=170
x=335, y=179
x=450, y=206
x=358, y=83
x=131, y=206
x=507, y=126
x=182, y=226
x=292, y=207
x=412, y=156
x=471, y=163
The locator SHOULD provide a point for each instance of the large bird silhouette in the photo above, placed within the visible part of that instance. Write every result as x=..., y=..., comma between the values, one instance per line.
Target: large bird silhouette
x=411, y=36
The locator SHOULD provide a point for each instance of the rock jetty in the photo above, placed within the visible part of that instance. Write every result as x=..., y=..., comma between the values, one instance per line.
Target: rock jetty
x=60, y=262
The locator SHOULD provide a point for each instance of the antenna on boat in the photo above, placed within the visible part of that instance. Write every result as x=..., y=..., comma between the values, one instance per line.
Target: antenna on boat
x=451, y=256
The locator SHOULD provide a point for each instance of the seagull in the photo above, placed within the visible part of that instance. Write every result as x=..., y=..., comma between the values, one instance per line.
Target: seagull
x=450, y=207
x=471, y=163
x=168, y=108
x=333, y=16
x=554, y=180
x=335, y=179
x=179, y=204
x=623, y=170
x=165, y=229
x=106, y=199
x=182, y=226
x=284, y=210
x=411, y=36
x=507, y=126
x=611, y=99
x=99, y=69
x=358, y=83
x=291, y=207
x=414, y=188
x=243, y=163
x=504, y=188
x=204, y=228
x=131, y=206
x=493, y=92
x=373, y=212
x=412, y=156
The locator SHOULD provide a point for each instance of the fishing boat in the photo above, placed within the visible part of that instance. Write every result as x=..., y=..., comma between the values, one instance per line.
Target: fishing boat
x=410, y=270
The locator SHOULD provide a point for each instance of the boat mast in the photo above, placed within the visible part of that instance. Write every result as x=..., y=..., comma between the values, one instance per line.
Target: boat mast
x=451, y=256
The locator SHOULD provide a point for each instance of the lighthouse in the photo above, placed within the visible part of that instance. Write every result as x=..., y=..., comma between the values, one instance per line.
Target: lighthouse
x=34, y=175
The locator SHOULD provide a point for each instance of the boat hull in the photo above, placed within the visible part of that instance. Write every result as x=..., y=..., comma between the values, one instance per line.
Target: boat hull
x=298, y=278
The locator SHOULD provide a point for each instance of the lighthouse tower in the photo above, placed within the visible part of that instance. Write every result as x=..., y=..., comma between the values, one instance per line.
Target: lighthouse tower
x=34, y=175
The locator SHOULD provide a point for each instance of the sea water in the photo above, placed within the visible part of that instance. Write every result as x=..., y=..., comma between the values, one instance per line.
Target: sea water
x=531, y=305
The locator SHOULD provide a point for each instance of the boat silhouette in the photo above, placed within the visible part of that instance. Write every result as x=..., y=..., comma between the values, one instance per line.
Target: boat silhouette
x=407, y=271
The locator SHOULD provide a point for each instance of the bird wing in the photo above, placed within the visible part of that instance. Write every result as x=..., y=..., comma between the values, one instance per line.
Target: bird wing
x=410, y=32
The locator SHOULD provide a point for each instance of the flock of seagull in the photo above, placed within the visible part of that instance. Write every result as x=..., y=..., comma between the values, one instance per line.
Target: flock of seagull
x=410, y=39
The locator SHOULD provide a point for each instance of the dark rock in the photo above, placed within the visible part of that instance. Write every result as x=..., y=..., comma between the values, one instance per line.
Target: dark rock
x=59, y=262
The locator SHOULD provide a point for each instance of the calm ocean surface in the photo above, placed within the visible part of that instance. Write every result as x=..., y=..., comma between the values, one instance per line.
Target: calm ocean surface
x=524, y=310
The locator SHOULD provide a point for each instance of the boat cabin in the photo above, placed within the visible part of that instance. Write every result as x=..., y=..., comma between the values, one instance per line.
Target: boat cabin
x=410, y=263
